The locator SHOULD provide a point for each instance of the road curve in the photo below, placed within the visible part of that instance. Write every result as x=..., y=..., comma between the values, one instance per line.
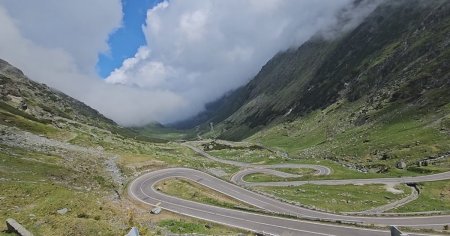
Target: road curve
x=238, y=177
x=142, y=190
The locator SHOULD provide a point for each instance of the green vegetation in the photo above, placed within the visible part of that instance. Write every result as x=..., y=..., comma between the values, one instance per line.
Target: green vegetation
x=23, y=121
x=261, y=177
x=38, y=202
x=158, y=131
x=185, y=227
x=342, y=198
x=8, y=108
x=297, y=171
x=340, y=172
x=434, y=196
x=189, y=190
x=35, y=185
x=257, y=156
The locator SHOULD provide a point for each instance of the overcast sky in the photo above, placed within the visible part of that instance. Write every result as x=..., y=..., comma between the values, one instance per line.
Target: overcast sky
x=193, y=51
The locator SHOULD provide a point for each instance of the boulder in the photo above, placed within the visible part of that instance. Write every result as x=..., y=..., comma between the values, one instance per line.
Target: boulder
x=401, y=165
x=15, y=227
x=23, y=106
x=133, y=232
x=62, y=211
x=156, y=210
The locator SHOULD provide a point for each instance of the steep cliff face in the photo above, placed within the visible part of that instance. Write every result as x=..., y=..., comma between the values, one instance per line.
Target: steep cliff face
x=399, y=54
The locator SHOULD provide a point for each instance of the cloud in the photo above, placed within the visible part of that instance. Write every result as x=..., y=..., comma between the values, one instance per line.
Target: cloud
x=81, y=28
x=201, y=49
x=196, y=50
x=56, y=64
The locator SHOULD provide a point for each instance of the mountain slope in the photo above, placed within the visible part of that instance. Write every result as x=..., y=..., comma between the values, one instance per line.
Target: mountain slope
x=43, y=103
x=399, y=53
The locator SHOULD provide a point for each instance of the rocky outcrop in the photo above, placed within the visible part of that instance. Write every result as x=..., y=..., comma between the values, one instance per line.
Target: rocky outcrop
x=15, y=227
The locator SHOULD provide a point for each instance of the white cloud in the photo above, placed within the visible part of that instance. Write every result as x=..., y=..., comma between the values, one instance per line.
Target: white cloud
x=193, y=25
x=81, y=28
x=196, y=50
x=58, y=66
x=202, y=49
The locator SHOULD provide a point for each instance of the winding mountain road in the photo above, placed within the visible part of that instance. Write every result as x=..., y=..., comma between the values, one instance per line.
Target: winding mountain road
x=142, y=189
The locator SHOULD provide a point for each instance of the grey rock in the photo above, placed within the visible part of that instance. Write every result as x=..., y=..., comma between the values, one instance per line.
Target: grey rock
x=156, y=210
x=401, y=165
x=133, y=232
x=62, y=211
x=15, y=227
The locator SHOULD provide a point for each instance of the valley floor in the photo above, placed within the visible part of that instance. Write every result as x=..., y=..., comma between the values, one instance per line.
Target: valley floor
x=84, y=172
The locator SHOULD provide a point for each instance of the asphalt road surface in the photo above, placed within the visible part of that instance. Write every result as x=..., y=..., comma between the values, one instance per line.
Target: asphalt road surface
x=142, y=189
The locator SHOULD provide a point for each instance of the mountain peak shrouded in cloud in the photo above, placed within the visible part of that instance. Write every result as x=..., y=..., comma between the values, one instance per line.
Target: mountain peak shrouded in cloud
x=195, y=50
